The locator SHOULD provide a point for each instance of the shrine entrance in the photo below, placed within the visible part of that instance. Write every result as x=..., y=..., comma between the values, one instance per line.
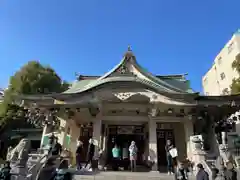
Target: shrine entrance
x=162, y=136
x=122, y=136
x=85, y=134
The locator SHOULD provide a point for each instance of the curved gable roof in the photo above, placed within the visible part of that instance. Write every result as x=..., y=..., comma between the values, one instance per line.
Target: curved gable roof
x=128, y=68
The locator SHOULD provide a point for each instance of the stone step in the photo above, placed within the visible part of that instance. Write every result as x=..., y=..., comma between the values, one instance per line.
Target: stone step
x=126, y=176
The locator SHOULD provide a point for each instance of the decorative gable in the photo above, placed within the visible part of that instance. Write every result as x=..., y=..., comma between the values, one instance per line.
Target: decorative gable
x=124, y=68
x=129, y=67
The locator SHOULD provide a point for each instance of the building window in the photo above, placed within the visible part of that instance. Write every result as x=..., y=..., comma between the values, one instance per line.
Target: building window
x=207, y=93
x=219, y=60
x=222, y=75
x=230, y=47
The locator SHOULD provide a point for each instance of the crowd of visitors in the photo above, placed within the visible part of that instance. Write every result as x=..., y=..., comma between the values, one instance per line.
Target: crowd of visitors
x=126, y=157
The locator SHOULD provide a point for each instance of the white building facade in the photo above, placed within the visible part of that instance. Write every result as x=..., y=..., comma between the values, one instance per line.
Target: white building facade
x=218, y=79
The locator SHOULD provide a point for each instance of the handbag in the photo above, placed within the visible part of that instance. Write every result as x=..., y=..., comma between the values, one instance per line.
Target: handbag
x=173, y=152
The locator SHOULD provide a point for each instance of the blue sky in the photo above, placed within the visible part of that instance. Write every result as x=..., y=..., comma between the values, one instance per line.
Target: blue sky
x=90, y=37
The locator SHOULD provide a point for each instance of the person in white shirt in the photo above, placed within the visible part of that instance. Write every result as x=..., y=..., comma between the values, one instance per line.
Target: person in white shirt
x=133, y=155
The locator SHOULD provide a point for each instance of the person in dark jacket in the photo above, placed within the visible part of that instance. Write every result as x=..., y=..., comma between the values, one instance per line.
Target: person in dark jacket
x=5, y=172
x=230, y=173
x=50, y=144
x=78, y=154
x=90, y=154
x=201, y=174
x=57, y=148
x=170, y=160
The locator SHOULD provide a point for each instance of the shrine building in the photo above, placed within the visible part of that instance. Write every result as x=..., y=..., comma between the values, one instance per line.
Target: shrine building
x=128, y=103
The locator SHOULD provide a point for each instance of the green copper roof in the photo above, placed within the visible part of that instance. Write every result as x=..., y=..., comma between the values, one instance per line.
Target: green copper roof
x=79, y=88
x=183, y=85
x=122, y=72
x=79, y=85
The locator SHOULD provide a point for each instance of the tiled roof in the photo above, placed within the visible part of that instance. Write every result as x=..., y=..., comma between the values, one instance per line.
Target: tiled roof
x=127, y=73
x=169, y=83
x=79, y=85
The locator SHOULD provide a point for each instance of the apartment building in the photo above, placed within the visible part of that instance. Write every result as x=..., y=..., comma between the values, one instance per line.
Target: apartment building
x=218, y=79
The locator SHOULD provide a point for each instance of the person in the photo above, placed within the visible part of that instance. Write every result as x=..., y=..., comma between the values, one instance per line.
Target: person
x=5, y=172
x=50, y=144
x=201, y=174
x=62, y=172
x=57, y=148
x=116, y=157
x=78, y=154
x=66, y=154
x=168, y=147
x=51, y=139
x=133, y=155
x=181, y=172
x=49, y=169
x=90, y=153
x=230, y=173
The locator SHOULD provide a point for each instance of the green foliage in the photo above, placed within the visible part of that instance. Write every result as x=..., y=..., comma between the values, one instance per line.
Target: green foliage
x=235, y=87
x=32, y=78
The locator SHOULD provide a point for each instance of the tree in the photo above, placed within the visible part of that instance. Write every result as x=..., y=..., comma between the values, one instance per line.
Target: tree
x=235, y=87
x=32, y=78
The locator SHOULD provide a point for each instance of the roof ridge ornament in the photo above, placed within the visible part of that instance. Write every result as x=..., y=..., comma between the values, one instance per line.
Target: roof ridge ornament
x=129, y=48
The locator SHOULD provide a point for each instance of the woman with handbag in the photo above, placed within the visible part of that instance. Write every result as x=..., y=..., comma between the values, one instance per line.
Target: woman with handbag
x=171, y=161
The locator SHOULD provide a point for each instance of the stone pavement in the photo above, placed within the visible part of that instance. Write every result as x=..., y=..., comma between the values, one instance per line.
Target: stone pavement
x=118, y=175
